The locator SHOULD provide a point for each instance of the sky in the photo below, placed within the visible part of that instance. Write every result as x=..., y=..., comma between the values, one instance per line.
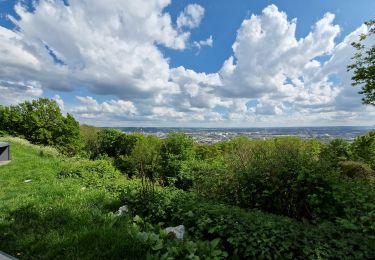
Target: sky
x=204, y=63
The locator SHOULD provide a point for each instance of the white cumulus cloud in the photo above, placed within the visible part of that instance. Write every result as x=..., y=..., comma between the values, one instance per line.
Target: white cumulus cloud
x=12, y=93
x=190, y=17
x=107, y=47
x=112, y=48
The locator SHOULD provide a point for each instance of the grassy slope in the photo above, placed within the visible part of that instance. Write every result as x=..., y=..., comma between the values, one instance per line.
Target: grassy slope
x=56, y=218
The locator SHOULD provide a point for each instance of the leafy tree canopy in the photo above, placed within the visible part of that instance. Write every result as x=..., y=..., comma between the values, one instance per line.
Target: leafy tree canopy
x=41, y=122
x=364, y=66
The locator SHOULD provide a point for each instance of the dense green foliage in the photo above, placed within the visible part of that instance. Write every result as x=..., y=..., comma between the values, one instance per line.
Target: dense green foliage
x=96, y=174
x=115, y=143
x=41, y=122
x=251, y=234
x=302, y=179
x=364, y=65
x=177, y=148
x=284, y=198
x=90, y=136
x=356, y=170
x=363, y=149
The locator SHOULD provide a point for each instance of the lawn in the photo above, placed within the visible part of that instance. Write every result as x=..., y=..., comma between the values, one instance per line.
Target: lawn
x=43, y=216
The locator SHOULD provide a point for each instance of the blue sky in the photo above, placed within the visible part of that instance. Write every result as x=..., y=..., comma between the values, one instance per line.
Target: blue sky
x=186, y=63
x=223, y=18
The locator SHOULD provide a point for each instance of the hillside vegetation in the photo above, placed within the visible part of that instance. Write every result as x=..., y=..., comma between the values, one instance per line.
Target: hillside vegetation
x=284, y=198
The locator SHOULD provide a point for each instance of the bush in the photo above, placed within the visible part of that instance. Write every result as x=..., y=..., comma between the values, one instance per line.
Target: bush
x=334, y=152
x=356, y=198
x=201, y=175
x=3, y=133
x=161, y=246
x=90, y=136
x=176, y=149
x=96, y=174
x=143, y=160
x=289, y=177
x=251, y=234
x=115, y=143
x=363, y=149
x=283, y=176
x=126, y=165
x=356, y=170
x=207, y=152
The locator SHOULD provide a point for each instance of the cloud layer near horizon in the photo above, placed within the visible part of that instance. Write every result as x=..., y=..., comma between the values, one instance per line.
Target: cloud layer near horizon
x=271, y=78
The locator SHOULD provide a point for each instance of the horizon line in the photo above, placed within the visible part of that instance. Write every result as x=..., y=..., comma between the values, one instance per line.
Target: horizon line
x=232, y=127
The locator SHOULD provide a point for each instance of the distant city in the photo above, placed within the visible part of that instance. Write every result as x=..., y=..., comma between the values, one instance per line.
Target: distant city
x=214, y=135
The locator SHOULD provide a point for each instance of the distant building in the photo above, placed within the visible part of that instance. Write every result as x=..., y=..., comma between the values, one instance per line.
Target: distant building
x=4, y=152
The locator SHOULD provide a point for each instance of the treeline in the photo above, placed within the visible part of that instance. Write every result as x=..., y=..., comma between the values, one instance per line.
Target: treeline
x=301, y=179
x=41, y=122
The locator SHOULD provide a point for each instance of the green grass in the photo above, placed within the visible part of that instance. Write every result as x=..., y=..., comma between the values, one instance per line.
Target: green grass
x=58, y=218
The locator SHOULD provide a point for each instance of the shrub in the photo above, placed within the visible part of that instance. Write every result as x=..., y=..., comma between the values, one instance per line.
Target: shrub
x=201, y=175
x=354, y=169
x=283, y=176
x=176, y=149
x=356, y=198
x=207, y=151
x=251, y=234
x=145, y=158
x=3, y=133
x=363, y=149
x=107, y=139
x=126, y=165
x=334, y=152
x=160, y=246
x=114, y=143
x=98, y=173
x=90, y=136
x=69, y=141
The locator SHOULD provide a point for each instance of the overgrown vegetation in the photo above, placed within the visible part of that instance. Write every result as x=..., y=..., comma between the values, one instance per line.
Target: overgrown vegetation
x=54, y=208
x=284, y=198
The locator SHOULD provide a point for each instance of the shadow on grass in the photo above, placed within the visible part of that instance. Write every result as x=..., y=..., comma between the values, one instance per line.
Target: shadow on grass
x=60, y=233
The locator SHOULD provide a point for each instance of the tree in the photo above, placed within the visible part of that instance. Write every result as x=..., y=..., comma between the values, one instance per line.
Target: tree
x=363, y=149
x=176, y=149
x=41, y=122
x=334, y=152
x=90, y=137
x=107, y=139
x=69, y=140
x=145, y=158
x=364, y=66
x=115, y=143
